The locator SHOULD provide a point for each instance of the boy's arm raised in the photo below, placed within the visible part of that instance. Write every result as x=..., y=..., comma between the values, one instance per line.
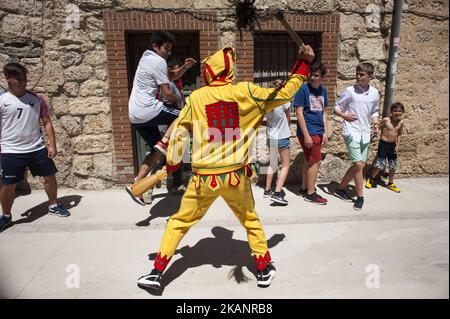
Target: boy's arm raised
x=178, y=73
x=268, y=99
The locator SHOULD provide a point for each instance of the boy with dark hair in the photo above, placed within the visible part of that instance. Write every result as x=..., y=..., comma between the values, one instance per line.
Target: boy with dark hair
x=358, y=106
x=146, y=112
x=22, y=144
x=310, y=103
x=391, y=133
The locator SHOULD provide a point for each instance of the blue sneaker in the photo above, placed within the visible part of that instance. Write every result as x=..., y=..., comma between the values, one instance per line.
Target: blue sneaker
x=59, y=210
x=5, y=222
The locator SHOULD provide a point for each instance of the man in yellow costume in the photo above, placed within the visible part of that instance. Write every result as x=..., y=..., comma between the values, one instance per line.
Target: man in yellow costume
x=222, y=118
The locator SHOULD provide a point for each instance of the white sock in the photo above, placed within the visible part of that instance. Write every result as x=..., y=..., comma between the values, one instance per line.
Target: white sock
x=7, y=214
x=53, y=206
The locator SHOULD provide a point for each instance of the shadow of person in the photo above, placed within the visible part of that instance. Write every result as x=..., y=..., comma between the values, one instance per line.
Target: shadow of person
x=40, y=210
x=217, y=251
x=166, y=207
x=331, y=187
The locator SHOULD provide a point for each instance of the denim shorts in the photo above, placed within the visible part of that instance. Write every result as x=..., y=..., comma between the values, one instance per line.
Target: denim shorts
x=278, y=143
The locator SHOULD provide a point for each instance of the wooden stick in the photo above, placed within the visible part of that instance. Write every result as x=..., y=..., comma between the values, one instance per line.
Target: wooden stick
x=144, y=184
x=280, y=17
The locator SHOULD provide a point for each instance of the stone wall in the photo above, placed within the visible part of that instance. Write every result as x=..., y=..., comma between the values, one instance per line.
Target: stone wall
x=62, y=43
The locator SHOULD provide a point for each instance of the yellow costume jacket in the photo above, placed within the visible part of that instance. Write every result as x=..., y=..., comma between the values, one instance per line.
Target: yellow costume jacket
x=222, y=118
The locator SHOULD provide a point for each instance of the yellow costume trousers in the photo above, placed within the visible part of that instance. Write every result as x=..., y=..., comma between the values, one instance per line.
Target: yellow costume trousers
x=201, y=192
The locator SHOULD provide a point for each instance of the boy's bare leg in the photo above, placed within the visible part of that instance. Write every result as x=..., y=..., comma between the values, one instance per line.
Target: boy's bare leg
x=284, y=158
x=312, y=171
x=51, y=188
x=374, y=172
x=7, y=195
x=304, y=175
x=272, y=168
x=147, y=165
x=269, y=178
x=391, y=176
x=349, y=175
x=359, y=177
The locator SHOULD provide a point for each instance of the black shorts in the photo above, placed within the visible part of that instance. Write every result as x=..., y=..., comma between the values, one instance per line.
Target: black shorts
x=386, y=150
x=14, y=165
x=149, y=130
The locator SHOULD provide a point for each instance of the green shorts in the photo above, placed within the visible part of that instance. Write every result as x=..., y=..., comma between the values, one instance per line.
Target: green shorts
x=358, y=151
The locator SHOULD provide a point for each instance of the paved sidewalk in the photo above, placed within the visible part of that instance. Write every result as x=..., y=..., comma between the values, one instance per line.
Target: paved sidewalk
x=398, y=242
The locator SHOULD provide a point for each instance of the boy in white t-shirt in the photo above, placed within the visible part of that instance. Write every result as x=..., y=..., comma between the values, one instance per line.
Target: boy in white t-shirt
x=358, y=106
x=278, y=132
x=22, y=145
x=145, y=111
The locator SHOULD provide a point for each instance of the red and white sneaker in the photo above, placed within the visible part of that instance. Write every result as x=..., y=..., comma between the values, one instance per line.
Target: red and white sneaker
x=161, y=147
x=137, y=199
x=316, y=199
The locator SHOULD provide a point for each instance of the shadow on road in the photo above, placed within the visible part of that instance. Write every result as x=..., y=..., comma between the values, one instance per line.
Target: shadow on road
x=331, y=187
x=220, y=250
x=166, y=207
x=40, y=210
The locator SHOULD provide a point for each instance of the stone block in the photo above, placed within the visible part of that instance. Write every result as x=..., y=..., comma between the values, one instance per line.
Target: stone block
x=70, y=58
x=134, y=4
x=97, y=124
x=92, y=144
x=60, y=105
x=94, y=87
x=78, y=73
x=347, y=69
x=95, y=58
x=94, y=4
x=101, y=74
x=82, y=165
x=352, y=26
x=90, y=105
x=316, y=6
x=71, y=89
x=347, y=50
x=373, y=17
x=10, y=6
x=71, y=124
x=103, y=165
x=14, y=24
x=371, y=49
x=174, y=4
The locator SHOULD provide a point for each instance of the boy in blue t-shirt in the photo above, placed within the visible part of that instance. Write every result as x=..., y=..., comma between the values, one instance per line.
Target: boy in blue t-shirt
x=310, y=103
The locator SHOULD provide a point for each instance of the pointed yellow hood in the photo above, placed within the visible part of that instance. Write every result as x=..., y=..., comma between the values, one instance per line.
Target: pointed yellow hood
x=219, y=67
